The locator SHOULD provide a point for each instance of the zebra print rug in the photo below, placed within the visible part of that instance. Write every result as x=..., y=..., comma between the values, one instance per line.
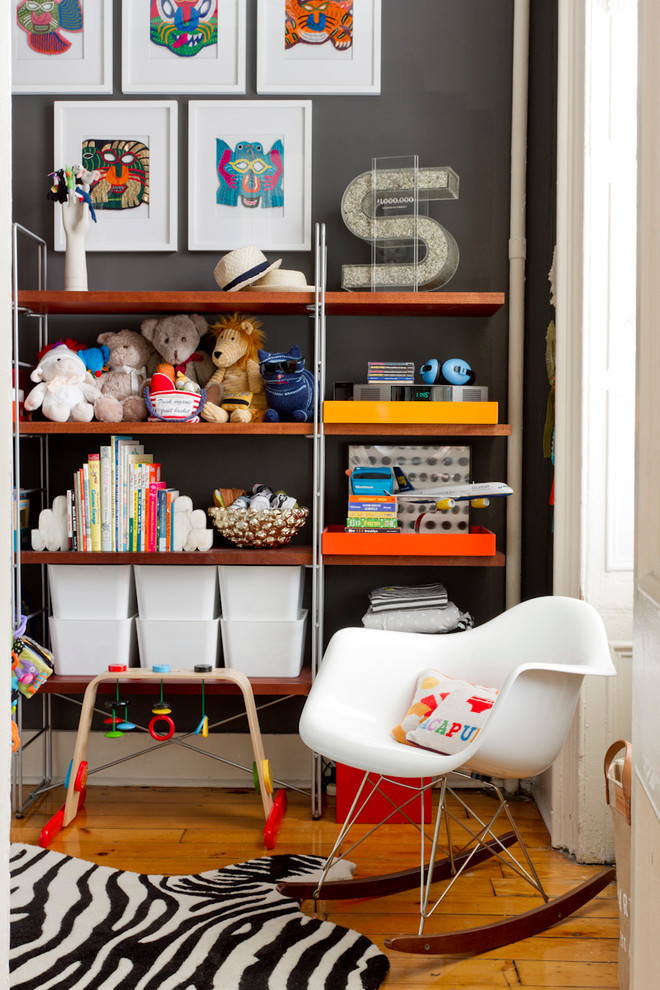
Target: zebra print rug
x=78, y=926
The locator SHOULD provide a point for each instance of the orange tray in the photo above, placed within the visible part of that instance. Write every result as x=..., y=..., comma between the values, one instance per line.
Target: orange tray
x=479, y=542
x=335, y=411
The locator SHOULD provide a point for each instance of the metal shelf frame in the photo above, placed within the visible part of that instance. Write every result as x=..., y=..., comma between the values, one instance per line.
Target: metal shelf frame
x=316, y=311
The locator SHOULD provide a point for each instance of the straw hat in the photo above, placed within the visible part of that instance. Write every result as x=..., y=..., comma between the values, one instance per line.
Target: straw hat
x=242, y=267
x=284, y=280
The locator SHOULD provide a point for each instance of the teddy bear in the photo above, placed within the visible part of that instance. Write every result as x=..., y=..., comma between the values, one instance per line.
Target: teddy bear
x=122, y=387
x=236, y=390
x=175, y=340
x=65, y=391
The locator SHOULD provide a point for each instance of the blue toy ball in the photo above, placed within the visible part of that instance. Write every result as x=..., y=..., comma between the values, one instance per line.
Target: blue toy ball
x=454, y=371
x=429, y=371
x=457, y=372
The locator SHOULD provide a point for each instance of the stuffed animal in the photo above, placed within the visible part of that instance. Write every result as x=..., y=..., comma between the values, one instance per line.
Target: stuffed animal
x=289, y=386
x=65, y=392
x=122, y=386
x=235, y=355
x=176, y=340
x=94, y=359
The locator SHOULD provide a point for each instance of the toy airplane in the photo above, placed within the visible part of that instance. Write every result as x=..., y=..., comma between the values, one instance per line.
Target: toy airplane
x=446, y=496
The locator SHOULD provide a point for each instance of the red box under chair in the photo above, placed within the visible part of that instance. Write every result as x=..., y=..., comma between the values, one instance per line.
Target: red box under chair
x=377, y=807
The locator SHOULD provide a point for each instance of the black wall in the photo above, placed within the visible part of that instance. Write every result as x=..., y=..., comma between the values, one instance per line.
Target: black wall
x=446, y=97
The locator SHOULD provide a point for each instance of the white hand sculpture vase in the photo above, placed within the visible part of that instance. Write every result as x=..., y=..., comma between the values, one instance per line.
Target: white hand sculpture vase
x=75, y=217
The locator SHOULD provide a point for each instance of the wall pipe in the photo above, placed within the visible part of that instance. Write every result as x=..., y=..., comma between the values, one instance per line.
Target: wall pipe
x=517, y=258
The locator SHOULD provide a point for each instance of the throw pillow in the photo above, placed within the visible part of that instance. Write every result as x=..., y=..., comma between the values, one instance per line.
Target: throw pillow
x=446, y=714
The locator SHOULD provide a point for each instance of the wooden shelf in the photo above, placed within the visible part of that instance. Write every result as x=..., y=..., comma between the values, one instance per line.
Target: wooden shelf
x=413, y=303
x=286, y=555
x=417, y=429
x=76, y=684
x=398, y=560
x=48, y=428
x=60, y=303
x=145, y=429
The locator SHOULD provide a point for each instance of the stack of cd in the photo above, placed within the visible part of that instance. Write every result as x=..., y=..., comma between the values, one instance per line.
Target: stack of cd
x=391, y=372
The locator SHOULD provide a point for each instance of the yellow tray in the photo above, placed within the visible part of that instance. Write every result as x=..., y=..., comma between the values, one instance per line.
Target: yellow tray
x=410, y=412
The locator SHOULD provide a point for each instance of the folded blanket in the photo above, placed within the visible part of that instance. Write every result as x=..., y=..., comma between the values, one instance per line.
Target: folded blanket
x=408, y=596
x=420, y=620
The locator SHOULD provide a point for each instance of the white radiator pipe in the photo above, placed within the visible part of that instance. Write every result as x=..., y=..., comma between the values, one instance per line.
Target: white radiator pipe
x=517, y=256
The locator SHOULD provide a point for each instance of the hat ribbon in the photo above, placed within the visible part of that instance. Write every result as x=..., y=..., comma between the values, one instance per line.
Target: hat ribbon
x=252, y=271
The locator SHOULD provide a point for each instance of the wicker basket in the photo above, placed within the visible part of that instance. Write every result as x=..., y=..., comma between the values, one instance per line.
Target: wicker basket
x=262, y=529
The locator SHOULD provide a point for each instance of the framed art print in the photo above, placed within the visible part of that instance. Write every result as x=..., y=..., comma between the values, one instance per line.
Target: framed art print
x=175, y=46
x=249, y=175
x=61, y=46
x=133, y=148
x=318, y=46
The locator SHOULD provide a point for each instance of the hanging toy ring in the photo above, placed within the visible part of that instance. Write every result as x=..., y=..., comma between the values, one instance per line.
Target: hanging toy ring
x=152, y=728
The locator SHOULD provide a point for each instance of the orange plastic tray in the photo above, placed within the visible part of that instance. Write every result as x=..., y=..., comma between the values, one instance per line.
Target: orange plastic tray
x=410, y=412
x=479, y=542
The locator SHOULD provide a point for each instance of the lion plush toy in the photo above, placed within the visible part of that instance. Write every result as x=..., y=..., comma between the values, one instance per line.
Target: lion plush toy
x=235, y=355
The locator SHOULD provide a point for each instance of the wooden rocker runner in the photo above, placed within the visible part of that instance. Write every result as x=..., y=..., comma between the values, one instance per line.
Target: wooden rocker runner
x=536, y=656
x=273, y=806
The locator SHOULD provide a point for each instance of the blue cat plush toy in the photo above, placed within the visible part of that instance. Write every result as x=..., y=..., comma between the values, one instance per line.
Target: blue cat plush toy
x=289, y=386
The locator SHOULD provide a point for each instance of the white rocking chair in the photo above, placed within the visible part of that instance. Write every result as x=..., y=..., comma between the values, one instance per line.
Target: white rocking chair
x=537, y=654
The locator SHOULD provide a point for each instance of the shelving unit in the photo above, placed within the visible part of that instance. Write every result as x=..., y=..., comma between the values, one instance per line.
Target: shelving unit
x=42, y=303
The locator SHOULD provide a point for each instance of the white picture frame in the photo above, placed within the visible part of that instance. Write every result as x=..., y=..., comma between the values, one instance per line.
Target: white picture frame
x=84, y=67
x=215, y=225
x=318, y=68
x=149, y=226
x=151, y=68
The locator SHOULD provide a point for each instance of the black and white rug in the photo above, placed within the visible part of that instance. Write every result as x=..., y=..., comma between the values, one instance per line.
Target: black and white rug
x=78, y=926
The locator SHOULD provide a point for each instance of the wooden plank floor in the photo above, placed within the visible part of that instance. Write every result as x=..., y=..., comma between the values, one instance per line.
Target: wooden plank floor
x=175, y=831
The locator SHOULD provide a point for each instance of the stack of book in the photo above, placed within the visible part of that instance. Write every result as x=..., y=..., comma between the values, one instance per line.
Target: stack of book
x=119, y=502
x=390, y=372
x=372, y=514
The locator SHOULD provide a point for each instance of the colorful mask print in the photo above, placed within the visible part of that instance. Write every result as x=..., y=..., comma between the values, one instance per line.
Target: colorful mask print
x=184, y=26
x=44, y=20
x=250, y=174
x=313, y=22
x=124, y=168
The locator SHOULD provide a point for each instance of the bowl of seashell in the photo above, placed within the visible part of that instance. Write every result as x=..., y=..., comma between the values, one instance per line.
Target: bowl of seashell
x=258, y=528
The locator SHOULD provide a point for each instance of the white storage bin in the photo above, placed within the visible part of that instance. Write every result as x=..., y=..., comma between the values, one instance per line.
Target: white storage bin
x=179, y=642
x=89, y=646
x=92, y=591
x=265, y=649
x=177, y=592
x=261, y=594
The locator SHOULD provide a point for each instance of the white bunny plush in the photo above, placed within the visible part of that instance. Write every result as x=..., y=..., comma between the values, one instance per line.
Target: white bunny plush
x=52, y=533
x=65, y=391
x=190, y=532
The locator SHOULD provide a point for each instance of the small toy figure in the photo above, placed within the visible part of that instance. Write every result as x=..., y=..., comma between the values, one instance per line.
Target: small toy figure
x=95, y=359
x=235, y=355
x=289, y=386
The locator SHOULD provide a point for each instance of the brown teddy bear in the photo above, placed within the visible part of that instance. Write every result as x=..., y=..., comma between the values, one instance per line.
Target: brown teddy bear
x=176, y=339
x=122, y=386
x=235, y=355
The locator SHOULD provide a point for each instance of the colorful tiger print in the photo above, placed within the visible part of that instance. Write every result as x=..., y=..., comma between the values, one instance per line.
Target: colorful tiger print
x=124, y=168
x=313, y=22
x=185, y=27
